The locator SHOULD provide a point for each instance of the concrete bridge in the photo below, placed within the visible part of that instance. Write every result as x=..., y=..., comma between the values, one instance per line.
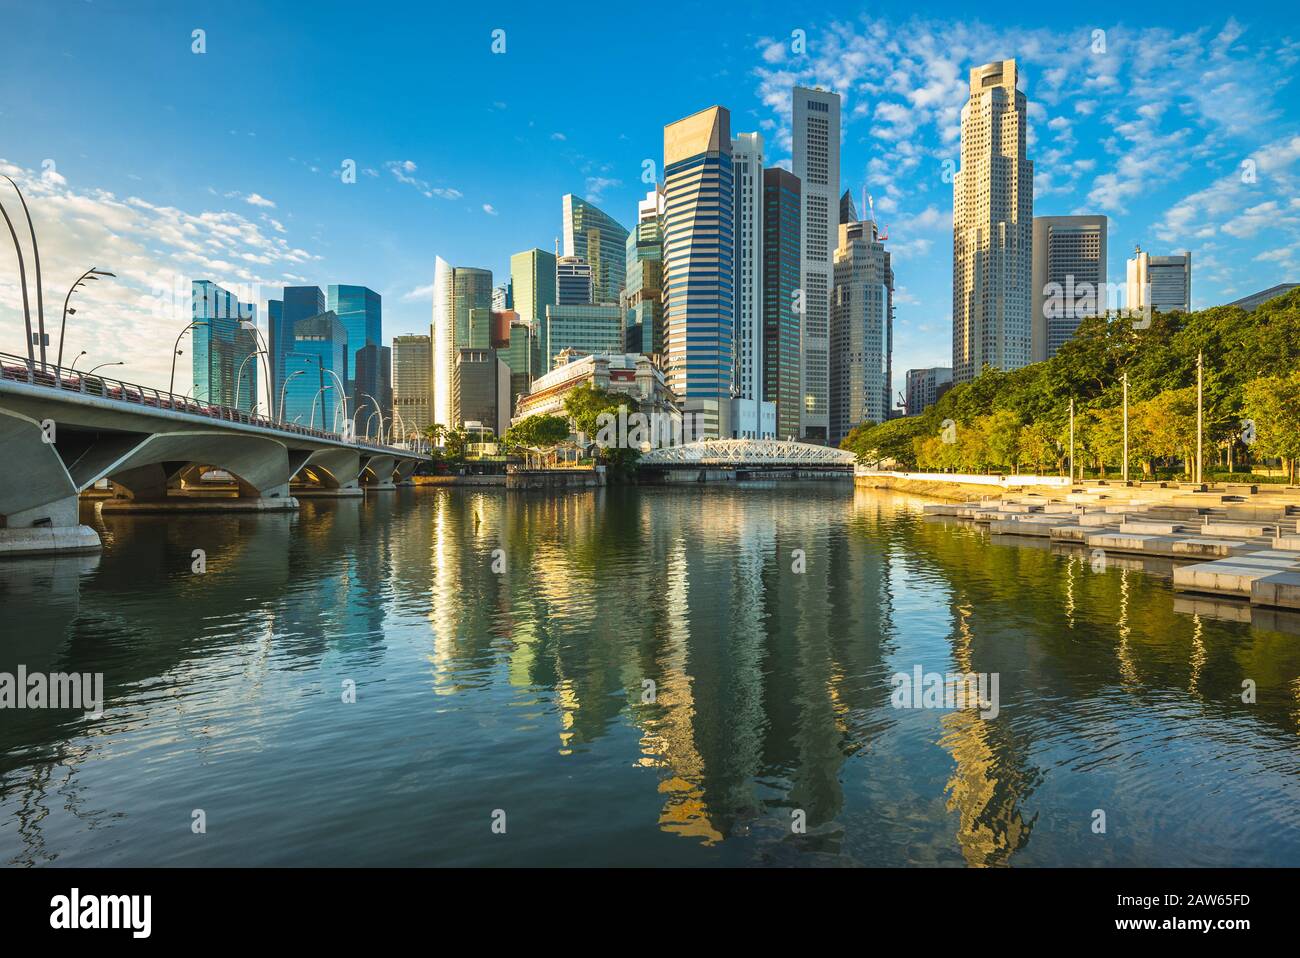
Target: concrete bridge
x=721, y=459
x=61, y=432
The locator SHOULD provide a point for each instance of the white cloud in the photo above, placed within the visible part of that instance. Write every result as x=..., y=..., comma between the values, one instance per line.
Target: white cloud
x=155, y=250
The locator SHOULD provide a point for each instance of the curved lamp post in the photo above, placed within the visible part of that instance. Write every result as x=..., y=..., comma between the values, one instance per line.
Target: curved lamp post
x=250, y=326
x=240, y=375
x=378, y=409
x=36, y=256
x=89, y=275
x=171, y=385
x=102, y=365
x=285, y=385
x=74, y=361
x=22, y=280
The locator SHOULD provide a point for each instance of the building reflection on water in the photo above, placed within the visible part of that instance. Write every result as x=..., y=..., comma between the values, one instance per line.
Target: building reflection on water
x=731, y=648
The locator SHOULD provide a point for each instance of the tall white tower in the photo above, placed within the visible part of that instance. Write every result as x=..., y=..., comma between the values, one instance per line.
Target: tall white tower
x=816, y=155
x=747, y=377
x=993, y=228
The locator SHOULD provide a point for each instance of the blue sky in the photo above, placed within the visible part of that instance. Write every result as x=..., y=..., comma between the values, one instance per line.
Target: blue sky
x=163, y=165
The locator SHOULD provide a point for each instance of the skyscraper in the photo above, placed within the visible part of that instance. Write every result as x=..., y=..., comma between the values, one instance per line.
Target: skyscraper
x=992, y=242
x=532, y=280
x=862, y=330
x=412, y=384
x=315, y=363
x=816, y=161
x=699, y=252
x=1069, y=279
x=574, y=285
x=360, y=310
x=782, y=264
x=643, y=295
x=1163, y=282
x=923, y=387
x=457, y=290
x=599, y=239
x=747, y=374
x=297, y=303
x=584, y=328
x=223, y=354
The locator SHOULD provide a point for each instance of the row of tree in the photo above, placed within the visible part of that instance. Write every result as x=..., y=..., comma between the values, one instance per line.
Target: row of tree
x=1019, y=420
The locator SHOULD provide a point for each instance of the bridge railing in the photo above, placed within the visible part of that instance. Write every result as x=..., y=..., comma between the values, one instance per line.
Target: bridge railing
x=21, y=369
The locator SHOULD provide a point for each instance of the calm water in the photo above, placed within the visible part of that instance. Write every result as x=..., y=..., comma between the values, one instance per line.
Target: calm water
x=522, y=691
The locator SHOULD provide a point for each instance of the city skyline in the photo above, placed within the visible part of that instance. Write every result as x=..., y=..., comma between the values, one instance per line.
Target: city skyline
x=1168, y=173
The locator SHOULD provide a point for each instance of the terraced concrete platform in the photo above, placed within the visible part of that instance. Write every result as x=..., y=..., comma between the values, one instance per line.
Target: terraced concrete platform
x=1215, y=544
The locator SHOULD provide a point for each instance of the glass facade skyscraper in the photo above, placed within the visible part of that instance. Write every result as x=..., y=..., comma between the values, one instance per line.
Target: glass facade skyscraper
x=360, y=310
x=311, y=394
x=587, y=329
x=781, y=271
x=643, y=295
x=224, y=373
x=532, y=281
x=699, y=267
x=457, y=290
x=297, y=303
x=599, y=239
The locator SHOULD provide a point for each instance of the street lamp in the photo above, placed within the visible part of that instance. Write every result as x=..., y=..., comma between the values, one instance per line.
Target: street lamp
x=240, y=375
x=379, y=410
x=249, y=326
x=285, y=385
x=89, y=275
x=102, y=365
x=171, y=385
x=22, y=280
x=74, y=362
x=40, y=297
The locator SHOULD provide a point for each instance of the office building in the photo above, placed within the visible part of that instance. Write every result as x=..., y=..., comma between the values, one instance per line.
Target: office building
x=923, y=387
x=296, y=304
x=749, y=418
x=412, y=385
x=643, y=302
x=520, y=353
x=360, y=310
x=457, y=292
x=816, y=161
x=585, y=328
x=993, y=209
x=1249, y=303
x=782, y=265
x=601, y=241
x=480, y=391
x=1162, y=283
x=315, y=370
x=1069, y=279
x=224, y=354
x=532, y=283
x=862, y=330
x=573, y=282
x=699, y=268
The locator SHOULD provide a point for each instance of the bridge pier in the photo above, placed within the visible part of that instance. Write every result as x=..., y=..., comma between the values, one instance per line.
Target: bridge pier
x=377, y=473
x=38, y=500
x=151, y=472
x=332, y=474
